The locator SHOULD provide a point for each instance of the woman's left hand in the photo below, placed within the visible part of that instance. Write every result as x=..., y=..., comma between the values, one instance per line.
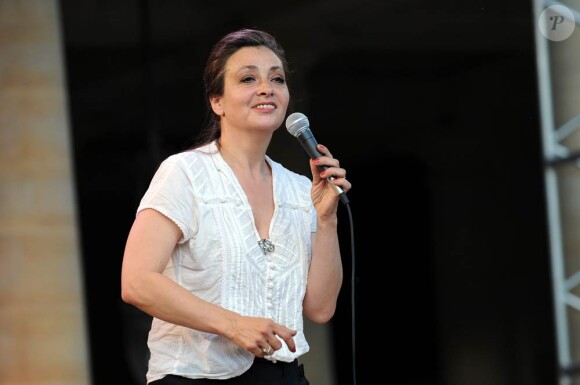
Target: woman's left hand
x=323, y=195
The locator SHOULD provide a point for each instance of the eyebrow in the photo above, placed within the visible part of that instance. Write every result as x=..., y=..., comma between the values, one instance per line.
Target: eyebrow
x=253, y=67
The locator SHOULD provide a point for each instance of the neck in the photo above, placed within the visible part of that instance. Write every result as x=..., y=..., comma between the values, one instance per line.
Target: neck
x=245, y=154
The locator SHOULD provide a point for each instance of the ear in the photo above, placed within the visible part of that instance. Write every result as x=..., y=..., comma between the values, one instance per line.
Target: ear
x=216, y=105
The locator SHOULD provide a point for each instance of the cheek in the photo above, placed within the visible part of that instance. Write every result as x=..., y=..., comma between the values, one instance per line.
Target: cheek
x=284, y=96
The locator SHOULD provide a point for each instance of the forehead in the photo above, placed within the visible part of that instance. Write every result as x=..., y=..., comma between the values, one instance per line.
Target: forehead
x=250, y=57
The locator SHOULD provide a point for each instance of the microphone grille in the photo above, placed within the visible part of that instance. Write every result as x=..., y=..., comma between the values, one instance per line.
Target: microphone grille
x=296, y=123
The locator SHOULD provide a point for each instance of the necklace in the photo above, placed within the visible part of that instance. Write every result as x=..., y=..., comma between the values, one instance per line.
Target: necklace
x=266, y=246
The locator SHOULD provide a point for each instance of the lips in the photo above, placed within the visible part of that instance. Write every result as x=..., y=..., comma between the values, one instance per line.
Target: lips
x=265, y=106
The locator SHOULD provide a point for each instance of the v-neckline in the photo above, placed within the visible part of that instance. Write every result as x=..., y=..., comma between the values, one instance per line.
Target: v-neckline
x=244, y=198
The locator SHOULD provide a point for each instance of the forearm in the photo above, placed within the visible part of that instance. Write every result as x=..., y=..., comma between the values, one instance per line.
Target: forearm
x=325, y=276
x=162, y=298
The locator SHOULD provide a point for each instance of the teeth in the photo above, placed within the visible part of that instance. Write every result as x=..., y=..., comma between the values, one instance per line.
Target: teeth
x=265, y=106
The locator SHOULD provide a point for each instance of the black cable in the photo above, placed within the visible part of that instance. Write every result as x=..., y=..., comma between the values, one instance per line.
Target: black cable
x=352, y=295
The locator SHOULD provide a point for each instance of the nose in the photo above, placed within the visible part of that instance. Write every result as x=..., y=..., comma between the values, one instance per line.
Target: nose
x=265, y=88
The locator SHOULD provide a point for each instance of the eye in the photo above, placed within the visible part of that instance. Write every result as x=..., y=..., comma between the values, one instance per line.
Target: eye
x=247, y=79
x=279, y=79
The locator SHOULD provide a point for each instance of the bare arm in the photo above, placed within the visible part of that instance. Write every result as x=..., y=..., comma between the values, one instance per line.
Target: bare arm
x=150, y=243
x=326, y=274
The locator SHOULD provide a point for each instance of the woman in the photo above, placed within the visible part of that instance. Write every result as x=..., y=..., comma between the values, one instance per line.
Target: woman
x=229, y=249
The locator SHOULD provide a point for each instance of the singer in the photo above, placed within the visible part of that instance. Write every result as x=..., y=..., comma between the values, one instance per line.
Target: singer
x=229, y=250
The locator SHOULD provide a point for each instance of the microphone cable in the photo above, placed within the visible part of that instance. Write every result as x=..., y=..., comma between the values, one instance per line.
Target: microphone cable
x=352, y=294
x=298, y=126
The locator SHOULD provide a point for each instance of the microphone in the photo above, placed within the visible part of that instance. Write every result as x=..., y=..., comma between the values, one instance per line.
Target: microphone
x=297, y=124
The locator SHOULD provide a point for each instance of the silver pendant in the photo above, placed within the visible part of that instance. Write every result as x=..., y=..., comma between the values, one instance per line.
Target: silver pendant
x=266, y=246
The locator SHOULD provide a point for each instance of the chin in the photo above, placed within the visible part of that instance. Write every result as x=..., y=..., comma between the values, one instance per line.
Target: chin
x=271, y=124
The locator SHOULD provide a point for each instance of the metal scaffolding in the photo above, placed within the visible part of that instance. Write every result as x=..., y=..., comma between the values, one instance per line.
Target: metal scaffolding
x=561, y=173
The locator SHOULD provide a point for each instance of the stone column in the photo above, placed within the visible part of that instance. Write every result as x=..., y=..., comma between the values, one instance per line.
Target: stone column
x=42, y=324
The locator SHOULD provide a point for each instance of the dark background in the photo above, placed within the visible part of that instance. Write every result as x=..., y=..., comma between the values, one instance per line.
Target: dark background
x=431, y=106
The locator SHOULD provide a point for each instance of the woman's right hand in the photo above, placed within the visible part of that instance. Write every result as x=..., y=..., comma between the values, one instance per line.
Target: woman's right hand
x=260, y=336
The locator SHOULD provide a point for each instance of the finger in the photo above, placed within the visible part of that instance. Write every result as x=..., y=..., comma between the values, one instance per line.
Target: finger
x=333, y=172
x=325, y=163
x=290, y=343
x=323, y=149
x=258, y=351
x=266, y=351
x=343, y=183
x=275, y=343
x=287, y=336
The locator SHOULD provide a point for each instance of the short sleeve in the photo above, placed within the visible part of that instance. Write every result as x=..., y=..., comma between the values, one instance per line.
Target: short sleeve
x=170, y=192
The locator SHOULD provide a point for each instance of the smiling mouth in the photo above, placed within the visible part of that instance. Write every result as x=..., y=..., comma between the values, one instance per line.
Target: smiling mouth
x=265, y=107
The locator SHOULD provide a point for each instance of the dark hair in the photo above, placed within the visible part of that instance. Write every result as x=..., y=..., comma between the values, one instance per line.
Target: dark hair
x=213, y=76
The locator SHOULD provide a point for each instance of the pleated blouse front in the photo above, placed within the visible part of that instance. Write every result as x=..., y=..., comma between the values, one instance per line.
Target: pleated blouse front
x=219, y=259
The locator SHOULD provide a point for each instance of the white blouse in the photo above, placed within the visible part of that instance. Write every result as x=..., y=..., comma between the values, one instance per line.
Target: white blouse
x=219, y=259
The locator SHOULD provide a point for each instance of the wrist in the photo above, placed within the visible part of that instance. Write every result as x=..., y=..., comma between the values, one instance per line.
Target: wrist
x=228, y=327
x=327, y=223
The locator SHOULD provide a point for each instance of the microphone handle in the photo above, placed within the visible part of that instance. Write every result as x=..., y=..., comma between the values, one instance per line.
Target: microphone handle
x=309, y=143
